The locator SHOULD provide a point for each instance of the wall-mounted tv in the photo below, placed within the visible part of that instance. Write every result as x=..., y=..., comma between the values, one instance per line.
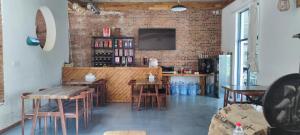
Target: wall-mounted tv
x=157, y=39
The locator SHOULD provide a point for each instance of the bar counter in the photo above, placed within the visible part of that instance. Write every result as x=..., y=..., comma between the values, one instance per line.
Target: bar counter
x=117, y=78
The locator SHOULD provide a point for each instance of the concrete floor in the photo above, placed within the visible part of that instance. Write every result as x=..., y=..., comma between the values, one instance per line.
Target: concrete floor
x=185, y=115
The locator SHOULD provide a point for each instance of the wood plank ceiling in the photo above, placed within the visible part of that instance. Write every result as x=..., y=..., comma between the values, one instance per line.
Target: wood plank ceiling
x=123, y=5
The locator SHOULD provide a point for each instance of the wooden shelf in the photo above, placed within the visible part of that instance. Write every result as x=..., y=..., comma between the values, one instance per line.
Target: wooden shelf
x=119, y=48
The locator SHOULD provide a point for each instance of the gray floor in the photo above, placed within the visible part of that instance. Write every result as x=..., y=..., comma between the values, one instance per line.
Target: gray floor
x=185, y=115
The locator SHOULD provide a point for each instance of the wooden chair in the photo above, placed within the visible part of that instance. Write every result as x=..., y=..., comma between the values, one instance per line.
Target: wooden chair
x=29, y=114
x=24, y=114
x=134, y=93
x=235, y=98
x=163, y=92
x=50, y=105
x=167, y=84
x=74, y=111
x=100, y=91
x=89, y=103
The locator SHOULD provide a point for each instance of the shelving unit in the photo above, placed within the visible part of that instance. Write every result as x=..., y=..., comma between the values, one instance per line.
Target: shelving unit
x=124, y=51
x=113, y=51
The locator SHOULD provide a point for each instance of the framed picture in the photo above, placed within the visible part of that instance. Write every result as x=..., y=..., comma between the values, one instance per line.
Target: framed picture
x=298, y=3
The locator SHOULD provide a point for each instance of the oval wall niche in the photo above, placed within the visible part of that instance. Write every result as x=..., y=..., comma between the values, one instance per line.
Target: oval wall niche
x=45, y=28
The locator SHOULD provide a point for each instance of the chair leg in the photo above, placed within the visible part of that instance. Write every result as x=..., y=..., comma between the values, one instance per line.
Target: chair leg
x=55, y=126
x=131, y=102
x=140, y=96
x=97, y=97
x=92, y=107
x=77, y=125
x=23, y=124
x=23, y=117
x=39, y=122
x=45, y=125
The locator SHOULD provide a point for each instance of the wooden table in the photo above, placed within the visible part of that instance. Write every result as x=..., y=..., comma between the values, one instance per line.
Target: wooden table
x=202, y=79
x=255, y=91
x=251, y=117
x=142, y=84
x=99, y=85
x=57, y=93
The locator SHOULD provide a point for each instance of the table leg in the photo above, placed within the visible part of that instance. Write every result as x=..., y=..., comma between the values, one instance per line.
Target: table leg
x=202, y=85
x=157, y=96
x=241, y=98
x=62, y=117
x=140, y=97
x=35, y=115
x=234, y=97
x=168, y=89
x=225, y=98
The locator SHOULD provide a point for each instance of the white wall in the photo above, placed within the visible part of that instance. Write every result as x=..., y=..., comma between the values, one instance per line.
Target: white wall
x=279, y=54
x=29, y=68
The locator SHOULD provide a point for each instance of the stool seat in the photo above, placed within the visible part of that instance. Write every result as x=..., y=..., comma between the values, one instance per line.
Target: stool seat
x=125, y=133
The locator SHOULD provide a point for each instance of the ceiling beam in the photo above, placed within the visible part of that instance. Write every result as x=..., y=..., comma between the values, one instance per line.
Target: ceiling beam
x=227, y=2
x=123, y=6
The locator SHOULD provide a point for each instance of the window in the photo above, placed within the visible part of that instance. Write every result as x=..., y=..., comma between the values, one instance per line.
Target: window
x=242, y=48
x=244, y=76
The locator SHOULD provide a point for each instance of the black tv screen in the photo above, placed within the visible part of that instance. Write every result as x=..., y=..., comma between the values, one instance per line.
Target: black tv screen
x=157, y=39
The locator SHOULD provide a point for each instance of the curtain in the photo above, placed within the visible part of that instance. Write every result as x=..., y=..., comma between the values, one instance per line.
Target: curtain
x=252, y=37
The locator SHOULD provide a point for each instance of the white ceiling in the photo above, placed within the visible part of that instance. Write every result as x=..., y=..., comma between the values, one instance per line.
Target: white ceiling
x=150, y=0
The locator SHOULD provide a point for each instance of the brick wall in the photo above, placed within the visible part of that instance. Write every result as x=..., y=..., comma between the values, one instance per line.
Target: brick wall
x=197, y=31
x=1, y=59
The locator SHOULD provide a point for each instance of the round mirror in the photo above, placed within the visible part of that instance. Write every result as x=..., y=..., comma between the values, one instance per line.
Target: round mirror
x=45, y=28
x=41, y=30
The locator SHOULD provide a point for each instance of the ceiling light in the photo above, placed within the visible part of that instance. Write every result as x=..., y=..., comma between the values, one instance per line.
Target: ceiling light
x=178, y=7
x=91, y=6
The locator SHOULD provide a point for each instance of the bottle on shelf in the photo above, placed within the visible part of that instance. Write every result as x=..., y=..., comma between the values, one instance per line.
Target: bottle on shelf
x=116, y=43
x=109, y=43
x=238, y=129
x=130, y=44
x=120, y=52
x=125, y=44
x=100, y=43
x=120, y=43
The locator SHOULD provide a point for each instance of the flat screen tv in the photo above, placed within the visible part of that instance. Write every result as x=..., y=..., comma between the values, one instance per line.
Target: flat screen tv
x=157, y=39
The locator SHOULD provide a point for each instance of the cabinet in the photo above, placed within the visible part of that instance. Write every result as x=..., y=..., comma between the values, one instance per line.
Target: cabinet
x=113, y=51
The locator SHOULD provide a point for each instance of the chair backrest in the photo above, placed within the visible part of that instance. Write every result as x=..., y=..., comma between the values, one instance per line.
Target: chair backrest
x=25, y=94
x=81, y=96
x=131, y=82
x=101, y=81
x=88, y=91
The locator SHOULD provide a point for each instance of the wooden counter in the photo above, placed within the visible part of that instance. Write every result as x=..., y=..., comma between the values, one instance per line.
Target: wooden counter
x=117, y=78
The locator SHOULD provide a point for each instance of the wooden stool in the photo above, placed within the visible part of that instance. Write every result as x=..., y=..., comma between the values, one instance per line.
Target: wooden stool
x=125, y=133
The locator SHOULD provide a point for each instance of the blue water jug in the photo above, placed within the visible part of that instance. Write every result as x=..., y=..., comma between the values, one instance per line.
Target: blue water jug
x=174, y=88
x=183, y=88
x=193, y=89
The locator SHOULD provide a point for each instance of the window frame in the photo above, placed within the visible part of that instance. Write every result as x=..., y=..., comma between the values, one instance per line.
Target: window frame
x=239, y=45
